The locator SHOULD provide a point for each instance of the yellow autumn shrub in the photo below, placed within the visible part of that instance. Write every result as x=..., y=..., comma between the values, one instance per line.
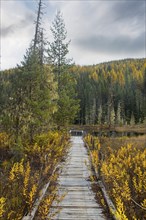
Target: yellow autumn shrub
x=2, y=206
x=123, y=172
x=23, y=178
x=4, y=140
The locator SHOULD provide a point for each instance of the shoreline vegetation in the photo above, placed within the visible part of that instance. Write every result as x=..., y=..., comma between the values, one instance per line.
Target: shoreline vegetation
x=139, y=128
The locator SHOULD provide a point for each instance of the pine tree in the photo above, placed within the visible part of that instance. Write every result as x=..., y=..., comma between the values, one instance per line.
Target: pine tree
x=112, y=117
x=36, y=89
x=40, y=91
x=68, y=104
x=58, y=49
x=38, y=28
x=100, y=115
x=132, y=120
x=12, y=102
x=118, y=119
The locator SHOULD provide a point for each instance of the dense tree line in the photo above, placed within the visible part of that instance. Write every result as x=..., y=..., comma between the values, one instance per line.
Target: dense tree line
x=112, y=92
x=108, y=93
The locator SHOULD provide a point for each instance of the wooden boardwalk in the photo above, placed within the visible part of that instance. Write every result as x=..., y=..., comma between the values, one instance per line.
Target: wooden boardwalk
x=79, y=202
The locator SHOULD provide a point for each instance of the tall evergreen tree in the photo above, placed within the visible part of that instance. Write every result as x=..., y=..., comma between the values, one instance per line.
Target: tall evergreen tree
x=38, y=25
x=32, y=100
x=40, y=91
x=68, y=105
x=58, y=49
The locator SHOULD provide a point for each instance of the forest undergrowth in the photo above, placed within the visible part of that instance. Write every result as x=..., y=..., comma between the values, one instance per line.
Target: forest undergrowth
x=24, y=171
x=122, y=168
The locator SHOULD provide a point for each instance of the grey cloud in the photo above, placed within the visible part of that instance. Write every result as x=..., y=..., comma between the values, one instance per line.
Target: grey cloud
x=120, y=32
x=29, y=18
x=112, y=17
x=113, y=45
x=110, y=28
x=126, y=10
x=6, y=31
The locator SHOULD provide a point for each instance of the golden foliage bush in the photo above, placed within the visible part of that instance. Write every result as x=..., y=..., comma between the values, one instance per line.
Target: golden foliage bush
x=23, y=178
x=4, y=140
x=123, y=172
x=4, y=146
x=2, y=206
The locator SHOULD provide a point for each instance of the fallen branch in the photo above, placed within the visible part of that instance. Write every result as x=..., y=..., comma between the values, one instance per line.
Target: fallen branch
x=138, y=204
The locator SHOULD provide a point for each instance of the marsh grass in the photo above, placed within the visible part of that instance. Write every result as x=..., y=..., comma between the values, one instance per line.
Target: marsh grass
x=116, y=142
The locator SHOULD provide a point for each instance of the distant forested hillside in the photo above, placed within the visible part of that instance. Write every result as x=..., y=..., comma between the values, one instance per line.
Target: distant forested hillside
x=108, y=93
x=112, y=92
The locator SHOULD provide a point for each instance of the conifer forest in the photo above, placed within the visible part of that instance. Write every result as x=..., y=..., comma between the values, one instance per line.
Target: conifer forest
x=46, y=96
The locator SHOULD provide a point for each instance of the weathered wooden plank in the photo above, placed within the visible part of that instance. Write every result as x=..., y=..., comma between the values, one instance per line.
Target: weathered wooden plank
x=79, y=202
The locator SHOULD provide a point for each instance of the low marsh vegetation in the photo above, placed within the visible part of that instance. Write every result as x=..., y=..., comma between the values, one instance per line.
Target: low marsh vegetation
x=25, y=170
x=122, y=168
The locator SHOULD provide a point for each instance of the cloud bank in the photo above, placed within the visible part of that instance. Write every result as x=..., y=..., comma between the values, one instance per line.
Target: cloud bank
x=99, y=30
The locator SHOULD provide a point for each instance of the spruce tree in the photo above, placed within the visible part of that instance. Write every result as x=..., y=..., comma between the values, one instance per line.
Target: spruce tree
x=41, y=88
x=38, y=87
x=58, y=49
x=68, y=104
x=100, y=114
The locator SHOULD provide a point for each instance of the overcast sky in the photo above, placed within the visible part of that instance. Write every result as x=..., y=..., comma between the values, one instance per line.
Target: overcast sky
x=100, y=30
